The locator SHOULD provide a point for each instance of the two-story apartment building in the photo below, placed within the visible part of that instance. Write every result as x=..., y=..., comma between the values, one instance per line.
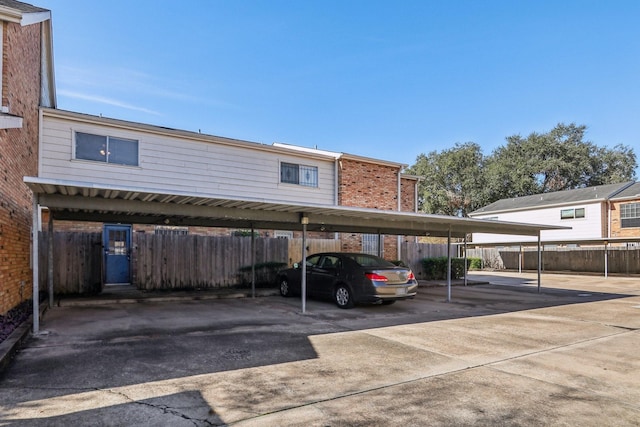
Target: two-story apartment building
x=77, y=146
x=591, y=213
x=26, y=82
x=85, y=168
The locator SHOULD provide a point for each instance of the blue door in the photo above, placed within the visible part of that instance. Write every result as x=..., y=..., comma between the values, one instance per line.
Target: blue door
x=117, y=253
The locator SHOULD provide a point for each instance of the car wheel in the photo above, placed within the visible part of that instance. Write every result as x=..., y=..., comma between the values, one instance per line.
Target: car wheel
x=285, y=290
x=343, y=296
x=388, y=302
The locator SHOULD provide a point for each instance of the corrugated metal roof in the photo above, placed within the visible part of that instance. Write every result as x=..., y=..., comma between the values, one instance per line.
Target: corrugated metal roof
x=82, y=201
x=567, y=197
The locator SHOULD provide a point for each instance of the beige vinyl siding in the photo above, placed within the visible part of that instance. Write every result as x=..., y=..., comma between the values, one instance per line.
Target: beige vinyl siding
x=174, y=163
x=589, y=227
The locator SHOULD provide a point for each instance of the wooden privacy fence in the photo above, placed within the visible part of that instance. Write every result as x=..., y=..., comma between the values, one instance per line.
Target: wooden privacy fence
x=412, y=254
x=619, y=259
x=77, y=266
x=314, y=246
x=191, y=261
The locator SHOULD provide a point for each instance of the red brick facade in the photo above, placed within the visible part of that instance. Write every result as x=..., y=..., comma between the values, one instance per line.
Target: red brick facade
x=18, y=157
x=373, y=185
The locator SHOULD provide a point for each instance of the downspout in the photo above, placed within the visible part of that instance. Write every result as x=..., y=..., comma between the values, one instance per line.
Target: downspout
x=608, y=219
x=336, y=180
x=336, y=198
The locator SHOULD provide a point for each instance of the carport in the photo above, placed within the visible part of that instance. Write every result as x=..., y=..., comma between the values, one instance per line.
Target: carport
x=83, y=201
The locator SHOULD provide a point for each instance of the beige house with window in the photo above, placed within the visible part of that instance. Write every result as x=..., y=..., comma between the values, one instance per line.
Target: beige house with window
x=590, y=212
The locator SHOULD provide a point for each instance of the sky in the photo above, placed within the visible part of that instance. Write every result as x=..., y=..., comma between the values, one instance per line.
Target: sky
x=383, y=79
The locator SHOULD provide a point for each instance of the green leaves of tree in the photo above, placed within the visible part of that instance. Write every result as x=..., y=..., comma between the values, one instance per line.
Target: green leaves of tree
x=461, y=179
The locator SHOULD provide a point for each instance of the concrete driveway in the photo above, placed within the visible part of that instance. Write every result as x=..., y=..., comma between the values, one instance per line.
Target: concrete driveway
x=497, y=355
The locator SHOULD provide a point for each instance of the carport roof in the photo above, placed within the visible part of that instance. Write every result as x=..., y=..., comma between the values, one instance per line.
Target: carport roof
x=85, y=201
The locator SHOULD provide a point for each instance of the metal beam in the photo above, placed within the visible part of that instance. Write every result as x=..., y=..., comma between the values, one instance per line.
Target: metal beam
x=35, y=264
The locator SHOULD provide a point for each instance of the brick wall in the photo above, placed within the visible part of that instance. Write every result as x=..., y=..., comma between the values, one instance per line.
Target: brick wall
x=18, y=157
x=371, y=185
x=616, y=226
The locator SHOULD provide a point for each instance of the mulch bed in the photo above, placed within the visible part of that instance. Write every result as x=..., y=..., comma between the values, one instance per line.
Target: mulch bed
x=14, y=318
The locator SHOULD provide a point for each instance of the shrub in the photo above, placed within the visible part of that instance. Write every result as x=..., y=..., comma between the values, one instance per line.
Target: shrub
x=266, y=273
x=436, y=268
x=475, y=263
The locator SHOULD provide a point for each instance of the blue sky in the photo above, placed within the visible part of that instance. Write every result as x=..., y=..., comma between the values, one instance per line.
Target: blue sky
x=383, y=79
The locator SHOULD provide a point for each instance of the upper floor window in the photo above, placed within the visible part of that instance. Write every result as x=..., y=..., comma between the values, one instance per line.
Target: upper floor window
x=572, y=213
x=630, y=215
x=107, y=149
x=291, y=173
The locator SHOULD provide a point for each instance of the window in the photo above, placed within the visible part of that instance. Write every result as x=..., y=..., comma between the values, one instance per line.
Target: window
x=107, y=149
x=170, y=230
x=291, y=173
x=371, y=243
x=283, y=234
x=630, y=215
x=572, y=213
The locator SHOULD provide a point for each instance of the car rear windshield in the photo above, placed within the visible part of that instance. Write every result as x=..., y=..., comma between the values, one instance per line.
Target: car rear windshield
x=365, y=260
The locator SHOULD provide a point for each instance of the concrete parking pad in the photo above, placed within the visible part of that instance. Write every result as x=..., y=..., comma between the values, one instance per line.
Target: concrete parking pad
x=498, y=354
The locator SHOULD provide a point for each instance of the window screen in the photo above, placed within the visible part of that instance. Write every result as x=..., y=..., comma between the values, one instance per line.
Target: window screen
x=106, y=149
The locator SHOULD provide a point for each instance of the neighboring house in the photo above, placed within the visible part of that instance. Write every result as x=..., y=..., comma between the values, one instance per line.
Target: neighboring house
x=26, y=82
x=625, y=212
x=585, y=210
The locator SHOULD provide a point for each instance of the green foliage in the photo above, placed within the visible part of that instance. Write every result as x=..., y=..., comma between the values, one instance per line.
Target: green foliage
x=269, y=265
x=474, y=263
x=266, y=273
x=454, y=183
x=436, y=268
x=460, y=180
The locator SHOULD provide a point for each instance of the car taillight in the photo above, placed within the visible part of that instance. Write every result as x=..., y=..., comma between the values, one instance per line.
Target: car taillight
x=411, y=276
x=376, y=277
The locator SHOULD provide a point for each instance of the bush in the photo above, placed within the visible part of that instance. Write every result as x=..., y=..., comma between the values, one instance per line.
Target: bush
x=266, y=273
x=475, y=263
x=436, y=268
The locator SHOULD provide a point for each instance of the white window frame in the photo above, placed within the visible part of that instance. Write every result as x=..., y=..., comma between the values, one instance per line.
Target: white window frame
x=90, y=132
x=624, y=208
x=312, y=182
x=573, y=213
x=371, y=244
x=283, y=234
x=171, y=230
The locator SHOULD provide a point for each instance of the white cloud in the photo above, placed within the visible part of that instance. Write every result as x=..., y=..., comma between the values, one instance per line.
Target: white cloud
x=104, y=100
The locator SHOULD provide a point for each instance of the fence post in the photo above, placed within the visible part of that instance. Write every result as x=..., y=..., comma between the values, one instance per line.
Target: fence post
x=606, y=259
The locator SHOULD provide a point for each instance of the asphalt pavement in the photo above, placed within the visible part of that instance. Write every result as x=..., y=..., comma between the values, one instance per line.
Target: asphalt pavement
x=497, y=354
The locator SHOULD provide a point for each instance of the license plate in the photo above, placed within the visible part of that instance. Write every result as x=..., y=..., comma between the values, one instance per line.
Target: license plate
x=401, y=291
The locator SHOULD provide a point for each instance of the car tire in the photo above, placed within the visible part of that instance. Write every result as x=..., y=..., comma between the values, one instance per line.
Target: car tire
x=285, y=289
x=388, y=302
x=343, y=296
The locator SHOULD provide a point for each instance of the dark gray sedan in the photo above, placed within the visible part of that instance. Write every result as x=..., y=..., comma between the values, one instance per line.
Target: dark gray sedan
x=349, y=279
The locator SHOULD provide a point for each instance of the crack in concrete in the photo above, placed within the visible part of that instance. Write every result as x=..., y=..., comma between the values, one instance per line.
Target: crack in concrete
x=165, y=409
